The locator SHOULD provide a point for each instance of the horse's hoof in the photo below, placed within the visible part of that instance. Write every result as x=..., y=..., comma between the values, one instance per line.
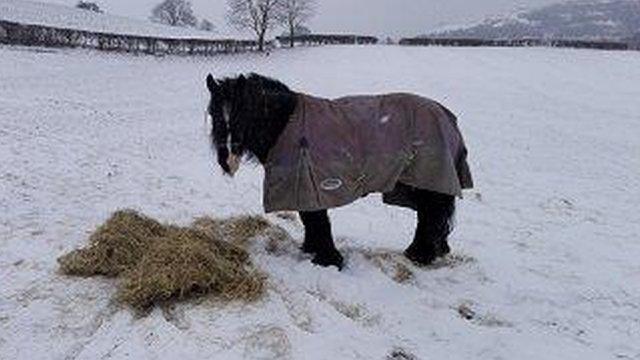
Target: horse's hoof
x=421, y=259
x=443, y=249
x=425, y=257
x=332, y=258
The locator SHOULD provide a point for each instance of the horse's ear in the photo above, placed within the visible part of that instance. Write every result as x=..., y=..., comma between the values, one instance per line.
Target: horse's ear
x=211, y=83
x=240, y=86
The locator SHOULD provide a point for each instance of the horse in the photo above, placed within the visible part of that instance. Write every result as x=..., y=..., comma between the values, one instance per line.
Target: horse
x=320, y=154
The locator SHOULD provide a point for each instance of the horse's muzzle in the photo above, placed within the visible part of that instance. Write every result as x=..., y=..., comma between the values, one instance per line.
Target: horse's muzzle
x=233, y=162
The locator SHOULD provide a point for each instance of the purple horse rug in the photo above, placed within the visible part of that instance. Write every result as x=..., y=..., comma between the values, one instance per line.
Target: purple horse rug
x=333, y=152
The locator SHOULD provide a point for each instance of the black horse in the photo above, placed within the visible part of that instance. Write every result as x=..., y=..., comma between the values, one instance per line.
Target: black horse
x=249, y=114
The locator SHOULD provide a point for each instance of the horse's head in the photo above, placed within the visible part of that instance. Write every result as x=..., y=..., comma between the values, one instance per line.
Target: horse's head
x=227, y=132
x=248, y=115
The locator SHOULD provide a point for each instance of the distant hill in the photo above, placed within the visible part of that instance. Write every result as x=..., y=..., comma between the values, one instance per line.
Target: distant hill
x=37, y=13
x=591, y=20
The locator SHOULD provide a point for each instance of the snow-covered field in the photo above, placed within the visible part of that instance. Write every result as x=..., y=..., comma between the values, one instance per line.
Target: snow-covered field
x=37, y=13
x=546, y=251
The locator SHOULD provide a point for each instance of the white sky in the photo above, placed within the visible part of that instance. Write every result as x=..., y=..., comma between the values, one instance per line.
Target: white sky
x=376, y=17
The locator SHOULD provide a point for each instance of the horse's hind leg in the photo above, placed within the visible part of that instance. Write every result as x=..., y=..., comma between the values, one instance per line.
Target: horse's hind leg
x=318, y=239
x=312, y=222
x=435, y=222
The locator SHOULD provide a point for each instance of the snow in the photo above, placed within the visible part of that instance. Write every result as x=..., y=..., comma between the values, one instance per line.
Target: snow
x=37, y=13
x=545, y=253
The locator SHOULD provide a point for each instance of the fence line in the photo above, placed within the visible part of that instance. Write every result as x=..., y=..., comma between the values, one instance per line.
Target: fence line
x=14, y=33
x=328, y=39
x=581, y=44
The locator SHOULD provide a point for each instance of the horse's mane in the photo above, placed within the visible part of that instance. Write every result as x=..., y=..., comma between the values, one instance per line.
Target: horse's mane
x=264, y=82
x=268, y=83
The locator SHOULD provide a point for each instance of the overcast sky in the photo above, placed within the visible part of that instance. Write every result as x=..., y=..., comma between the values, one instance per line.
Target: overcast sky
x=376, y=17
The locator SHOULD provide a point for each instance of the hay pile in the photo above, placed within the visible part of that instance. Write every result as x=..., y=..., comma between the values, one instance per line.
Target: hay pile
x=237, y=230
x=157, y=262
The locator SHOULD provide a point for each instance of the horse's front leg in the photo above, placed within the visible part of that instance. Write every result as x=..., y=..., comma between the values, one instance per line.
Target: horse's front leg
x=318, y=239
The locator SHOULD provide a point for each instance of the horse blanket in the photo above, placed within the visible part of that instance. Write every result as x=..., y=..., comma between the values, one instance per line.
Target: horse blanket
x=333, y=152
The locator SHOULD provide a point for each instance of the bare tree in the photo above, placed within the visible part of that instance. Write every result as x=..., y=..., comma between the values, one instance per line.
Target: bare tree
x=258, y=16
x=174, y=13
x=293, y=14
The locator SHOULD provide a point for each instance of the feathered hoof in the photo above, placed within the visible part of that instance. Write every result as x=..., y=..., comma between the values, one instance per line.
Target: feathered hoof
x=425, y=256
x=330, y=258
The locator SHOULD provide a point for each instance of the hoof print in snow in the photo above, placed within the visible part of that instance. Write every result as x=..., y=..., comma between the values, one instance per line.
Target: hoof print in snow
x=175, y=316
x=18, y=263
x=402, y=270
x=400, y=354
x=297, y=308
x=559, y=207
x=356, y=312
x=450, y=261
x=402, y=274
x=392, y=264
x=267, y=343
x=279, y=242
x=566, y=209
x=467, y=312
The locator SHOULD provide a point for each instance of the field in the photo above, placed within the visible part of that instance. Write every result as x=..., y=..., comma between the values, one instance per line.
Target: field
x=545, y=253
